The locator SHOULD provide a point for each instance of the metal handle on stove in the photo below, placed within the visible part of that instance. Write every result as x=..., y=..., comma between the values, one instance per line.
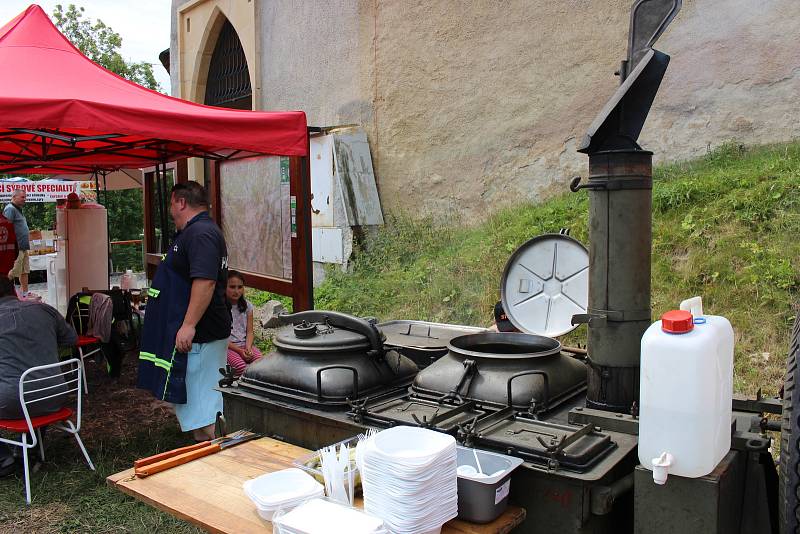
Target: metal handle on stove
x=328, y=368
x=470, y=366
x=546, y=381
x=341, y=320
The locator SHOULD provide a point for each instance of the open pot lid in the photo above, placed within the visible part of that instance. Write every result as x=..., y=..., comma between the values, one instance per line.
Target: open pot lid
x=504, y=346
x=545, y=283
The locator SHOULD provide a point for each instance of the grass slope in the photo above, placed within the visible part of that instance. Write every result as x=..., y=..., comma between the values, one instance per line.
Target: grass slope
x=725, y=228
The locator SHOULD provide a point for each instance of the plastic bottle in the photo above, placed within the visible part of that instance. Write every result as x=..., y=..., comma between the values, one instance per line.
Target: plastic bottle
x=686, y=392
x=127, y=280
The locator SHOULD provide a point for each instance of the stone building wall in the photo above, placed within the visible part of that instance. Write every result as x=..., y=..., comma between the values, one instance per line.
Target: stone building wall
x=471, y=105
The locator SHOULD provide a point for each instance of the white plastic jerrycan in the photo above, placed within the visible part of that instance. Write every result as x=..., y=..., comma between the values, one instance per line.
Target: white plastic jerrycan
x=686, y=392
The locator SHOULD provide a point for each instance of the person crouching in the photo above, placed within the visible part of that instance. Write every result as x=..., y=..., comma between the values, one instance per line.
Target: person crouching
x=241, y=350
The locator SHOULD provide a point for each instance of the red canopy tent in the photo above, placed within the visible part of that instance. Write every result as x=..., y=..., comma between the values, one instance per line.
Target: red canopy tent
x=60, y=113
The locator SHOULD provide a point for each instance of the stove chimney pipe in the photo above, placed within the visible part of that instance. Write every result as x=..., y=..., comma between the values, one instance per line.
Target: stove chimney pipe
x=620, y=216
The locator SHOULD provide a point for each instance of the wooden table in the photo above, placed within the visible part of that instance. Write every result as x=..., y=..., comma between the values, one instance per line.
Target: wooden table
x=208, y=492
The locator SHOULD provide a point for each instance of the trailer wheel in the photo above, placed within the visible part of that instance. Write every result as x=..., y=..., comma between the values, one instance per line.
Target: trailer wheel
x=789, y=500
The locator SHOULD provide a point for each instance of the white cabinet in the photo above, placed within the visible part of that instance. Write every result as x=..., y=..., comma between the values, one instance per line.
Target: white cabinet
x=81, y=253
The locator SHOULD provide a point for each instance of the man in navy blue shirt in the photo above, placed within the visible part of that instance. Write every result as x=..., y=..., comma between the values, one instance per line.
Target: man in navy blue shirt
x=199, y=254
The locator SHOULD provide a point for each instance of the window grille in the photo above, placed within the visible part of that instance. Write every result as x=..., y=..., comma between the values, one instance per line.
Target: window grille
x=228, y=82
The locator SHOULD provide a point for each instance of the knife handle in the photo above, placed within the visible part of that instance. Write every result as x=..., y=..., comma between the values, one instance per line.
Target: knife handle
x=180, y=459
x=169, y=454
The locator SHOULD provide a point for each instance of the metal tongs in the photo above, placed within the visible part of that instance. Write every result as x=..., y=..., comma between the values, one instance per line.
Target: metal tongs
x=166, y=460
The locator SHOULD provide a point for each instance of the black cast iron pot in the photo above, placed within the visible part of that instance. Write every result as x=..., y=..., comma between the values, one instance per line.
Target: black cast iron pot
x=327, y=359
x=504, y=368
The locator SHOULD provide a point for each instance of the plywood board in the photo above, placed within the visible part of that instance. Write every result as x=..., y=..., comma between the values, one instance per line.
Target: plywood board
x=356, y=179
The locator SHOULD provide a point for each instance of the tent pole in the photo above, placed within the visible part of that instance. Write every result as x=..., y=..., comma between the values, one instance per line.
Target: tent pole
x=108, y=225
x=165, y=220
x=160, y=208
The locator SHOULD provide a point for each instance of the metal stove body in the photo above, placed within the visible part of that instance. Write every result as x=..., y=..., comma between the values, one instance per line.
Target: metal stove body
x=514, y=393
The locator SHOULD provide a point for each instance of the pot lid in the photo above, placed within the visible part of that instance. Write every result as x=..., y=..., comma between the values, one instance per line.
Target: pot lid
x=319, y=337
x=545, y=283
x=422, y=334
x=504, y=346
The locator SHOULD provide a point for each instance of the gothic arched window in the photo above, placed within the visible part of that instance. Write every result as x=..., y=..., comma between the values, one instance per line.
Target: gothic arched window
x=228, y=82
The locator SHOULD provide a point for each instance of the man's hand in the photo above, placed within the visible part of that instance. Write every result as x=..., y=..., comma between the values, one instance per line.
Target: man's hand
x=200, y=296
x=183, y=341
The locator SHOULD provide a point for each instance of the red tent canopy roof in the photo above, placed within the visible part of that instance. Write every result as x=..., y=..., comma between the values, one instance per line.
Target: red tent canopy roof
x=60, y=112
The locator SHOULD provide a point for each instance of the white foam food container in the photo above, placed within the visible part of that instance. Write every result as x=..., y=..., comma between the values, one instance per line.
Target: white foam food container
x=409, y=476
x=325, y=516
x=281, y=489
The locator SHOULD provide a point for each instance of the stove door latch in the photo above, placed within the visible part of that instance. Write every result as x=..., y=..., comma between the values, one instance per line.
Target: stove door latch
x=358, y=409
x=470, y=366
x=557, y=445
x=228, y=376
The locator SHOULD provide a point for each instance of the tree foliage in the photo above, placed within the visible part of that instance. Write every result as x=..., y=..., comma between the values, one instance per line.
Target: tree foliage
x=101, y=44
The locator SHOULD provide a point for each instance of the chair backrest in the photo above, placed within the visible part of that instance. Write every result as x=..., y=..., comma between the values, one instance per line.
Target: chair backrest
x=51, y=381
x=79, y=315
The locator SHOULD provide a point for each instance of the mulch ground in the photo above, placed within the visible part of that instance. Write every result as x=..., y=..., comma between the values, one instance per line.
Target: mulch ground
x=114, y=406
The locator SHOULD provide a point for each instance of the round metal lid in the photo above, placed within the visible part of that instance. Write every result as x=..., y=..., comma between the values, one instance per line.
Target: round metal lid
x=322, y=339
x=504, y=345
x=545, y=283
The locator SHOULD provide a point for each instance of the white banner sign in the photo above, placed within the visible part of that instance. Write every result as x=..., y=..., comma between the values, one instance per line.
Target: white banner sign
x=47, y=190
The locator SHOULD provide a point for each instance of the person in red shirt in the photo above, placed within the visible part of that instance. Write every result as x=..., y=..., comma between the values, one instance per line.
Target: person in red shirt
x=8, y=245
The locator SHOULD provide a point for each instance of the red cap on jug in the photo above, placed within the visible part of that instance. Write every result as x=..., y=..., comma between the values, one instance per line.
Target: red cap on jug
x=677, y=322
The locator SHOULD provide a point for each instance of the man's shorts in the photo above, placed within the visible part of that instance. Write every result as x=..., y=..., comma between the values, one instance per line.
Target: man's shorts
x=22, y=265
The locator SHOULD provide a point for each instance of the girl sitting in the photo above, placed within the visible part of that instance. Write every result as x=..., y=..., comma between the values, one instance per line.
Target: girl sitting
x=241, y=350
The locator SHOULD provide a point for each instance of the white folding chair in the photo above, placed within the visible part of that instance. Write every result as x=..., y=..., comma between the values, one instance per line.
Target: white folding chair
x=31, y=391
